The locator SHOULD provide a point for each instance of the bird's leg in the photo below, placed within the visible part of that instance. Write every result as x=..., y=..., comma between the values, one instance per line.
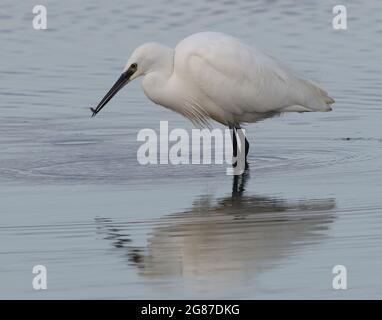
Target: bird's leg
x=246, y=147
x=235, y=150
x=234, y=146
x=234, y=142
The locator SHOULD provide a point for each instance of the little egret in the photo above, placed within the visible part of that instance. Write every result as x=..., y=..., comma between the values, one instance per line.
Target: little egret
x=211, y=75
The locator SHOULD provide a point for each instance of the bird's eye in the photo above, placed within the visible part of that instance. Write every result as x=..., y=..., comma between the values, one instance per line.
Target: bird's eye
x=134, y=66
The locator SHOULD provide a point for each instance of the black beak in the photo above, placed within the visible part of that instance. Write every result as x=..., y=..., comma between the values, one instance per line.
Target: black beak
x=123, y=79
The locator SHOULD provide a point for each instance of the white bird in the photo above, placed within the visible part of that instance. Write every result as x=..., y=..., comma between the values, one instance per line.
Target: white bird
x=211, y=75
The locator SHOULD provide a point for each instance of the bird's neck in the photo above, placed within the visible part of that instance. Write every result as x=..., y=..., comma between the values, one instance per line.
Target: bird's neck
x=155, y=81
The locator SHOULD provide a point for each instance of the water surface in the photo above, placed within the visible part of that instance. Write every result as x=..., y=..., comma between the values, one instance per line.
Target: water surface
x=73, y=198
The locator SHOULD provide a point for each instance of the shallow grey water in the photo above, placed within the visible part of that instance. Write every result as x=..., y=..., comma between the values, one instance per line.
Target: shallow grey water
x=73, y=198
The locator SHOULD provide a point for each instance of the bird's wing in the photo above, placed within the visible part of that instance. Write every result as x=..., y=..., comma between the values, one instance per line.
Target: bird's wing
x=244, y=80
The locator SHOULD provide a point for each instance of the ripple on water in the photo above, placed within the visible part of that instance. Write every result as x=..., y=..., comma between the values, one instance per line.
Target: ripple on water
x=97, y=161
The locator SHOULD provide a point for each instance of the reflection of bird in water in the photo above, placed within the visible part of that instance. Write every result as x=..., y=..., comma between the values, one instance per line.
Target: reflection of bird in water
x=224, y=241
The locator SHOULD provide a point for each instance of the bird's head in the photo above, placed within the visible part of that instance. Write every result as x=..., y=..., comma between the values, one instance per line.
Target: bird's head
x=146, y=58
